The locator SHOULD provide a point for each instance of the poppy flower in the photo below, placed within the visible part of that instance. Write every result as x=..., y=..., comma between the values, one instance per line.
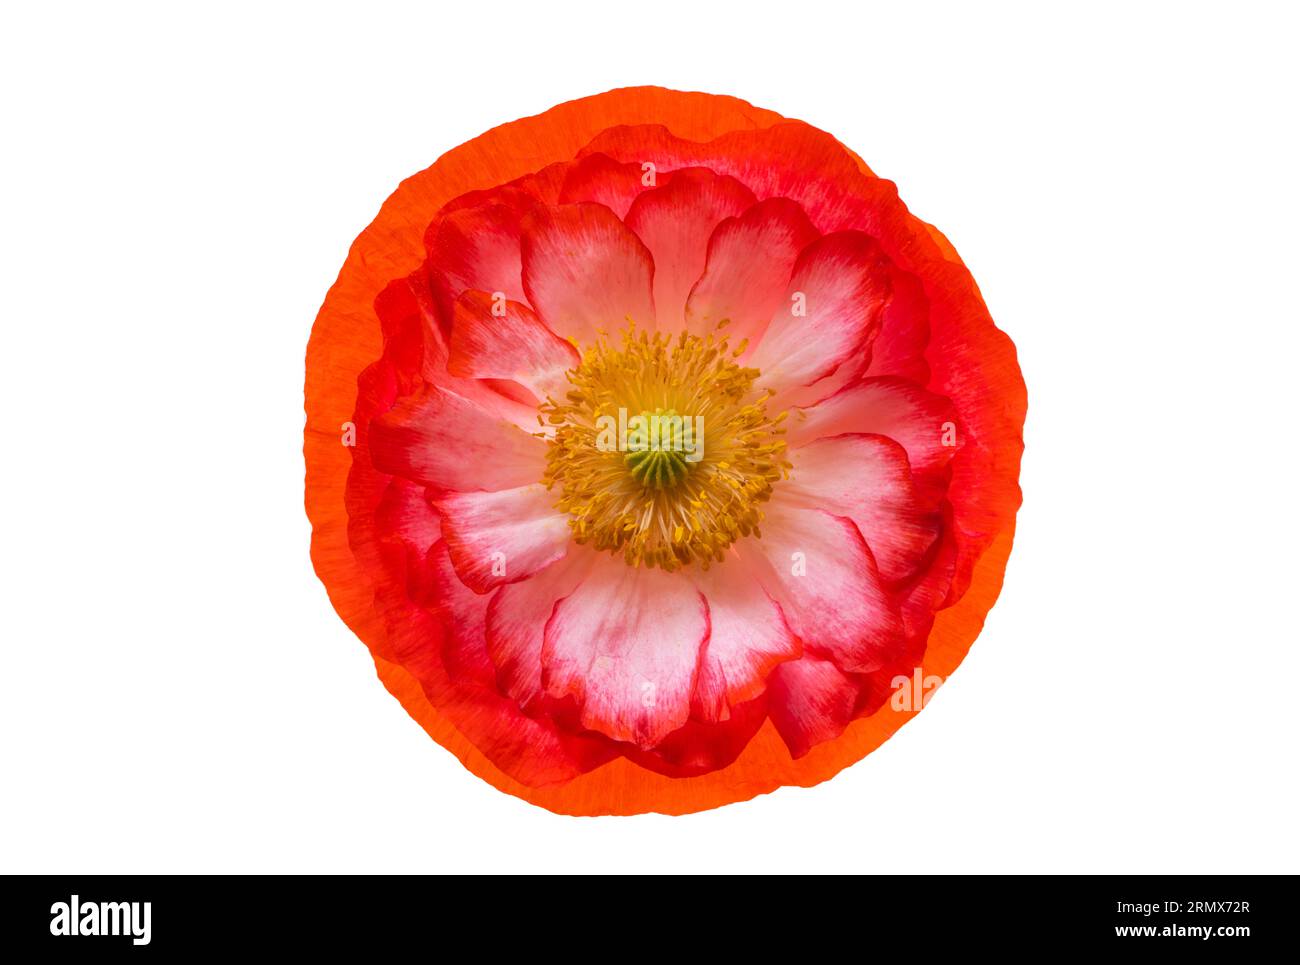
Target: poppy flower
x=659, y=455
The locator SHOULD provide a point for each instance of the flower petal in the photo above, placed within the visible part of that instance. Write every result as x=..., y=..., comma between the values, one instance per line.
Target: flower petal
x=626, y=645
x=535, y=752
x=818, y=567
x=502, y=537
x=600, y=179
x=498, y=339
x=475, y=248
x=406, y=514
x=750, y=260
x=415, y=338
x=748, y=637
x=464, y=616
x=790, y=159
x=866, y=478
x=516, y=624
x=698, y=747
x=928, y=592
x=810, y=701
x=406, y=527
x=899, y=348
x=921, y=422
x=841, y=285
x=440, y=439
x=585, y=271
x=675, y=221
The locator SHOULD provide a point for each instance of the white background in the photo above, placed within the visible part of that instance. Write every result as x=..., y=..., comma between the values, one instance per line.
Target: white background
x=180, y=188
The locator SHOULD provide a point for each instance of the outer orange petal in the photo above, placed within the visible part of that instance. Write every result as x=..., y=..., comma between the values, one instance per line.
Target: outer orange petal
x=347, y=337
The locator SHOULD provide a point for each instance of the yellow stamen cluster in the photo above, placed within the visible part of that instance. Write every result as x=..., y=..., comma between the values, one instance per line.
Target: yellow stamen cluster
x=662, y=506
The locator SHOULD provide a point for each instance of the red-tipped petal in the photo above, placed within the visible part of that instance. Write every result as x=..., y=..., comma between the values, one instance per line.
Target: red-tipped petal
x=516, y=624
x=921, y=422
x=810, y=701
x=830, y=313
x=492, y=338
x=600, y=179
x=748, y=637
x=818, y=567
x=748, y=268
x=866, y=478
x=626, y=645
x=442, y=440
x=475, y=248
x=676, y=221
x=502, y=537
x=585, y=271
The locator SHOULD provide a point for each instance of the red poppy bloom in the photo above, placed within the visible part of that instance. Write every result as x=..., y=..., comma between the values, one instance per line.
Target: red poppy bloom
x=659, y=455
